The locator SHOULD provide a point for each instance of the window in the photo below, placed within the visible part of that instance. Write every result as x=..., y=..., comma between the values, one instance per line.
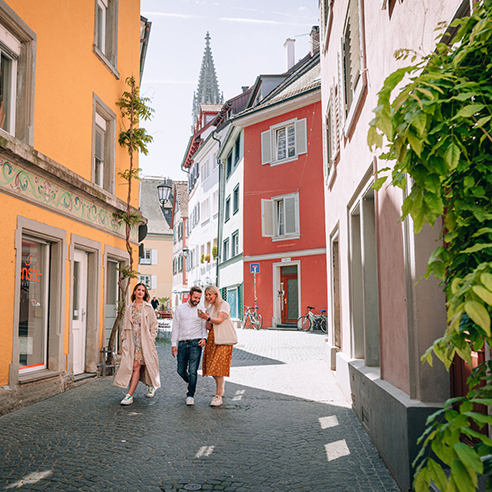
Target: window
x=235, y=200
x=235, y=244
x=331, y=134
x=326, y=13
x=104, y=142
x=204, y=171
x=180, y=230
x=225, y=250
x=237, y=149
x=106, y=33
x=280, y=217
x=284, y=142
x=351, y=80
x=205, y=210
x=232, y=299
x=229, y=165
x=150, y=281
x=149, y=257
x=215, y=202
x=227, y=213
x=17, y=78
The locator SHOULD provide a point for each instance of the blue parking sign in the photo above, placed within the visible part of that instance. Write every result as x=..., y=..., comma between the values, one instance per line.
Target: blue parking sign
x=254, y=268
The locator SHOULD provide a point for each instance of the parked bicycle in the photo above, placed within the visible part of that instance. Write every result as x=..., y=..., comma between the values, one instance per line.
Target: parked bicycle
x=311, y=321
x=252, y=318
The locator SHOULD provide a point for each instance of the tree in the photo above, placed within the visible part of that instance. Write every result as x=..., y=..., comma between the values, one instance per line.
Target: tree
x=438, y=130
x=134, y=108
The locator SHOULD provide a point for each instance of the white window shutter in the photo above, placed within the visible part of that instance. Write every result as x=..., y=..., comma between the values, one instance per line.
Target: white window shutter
x=301, y=136
x=153, y=284
x=267, y=218
x=266, y=147
x=153, y=255
x=290, y=215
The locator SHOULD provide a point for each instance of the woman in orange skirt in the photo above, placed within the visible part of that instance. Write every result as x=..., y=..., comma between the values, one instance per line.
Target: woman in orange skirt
x=216, y=358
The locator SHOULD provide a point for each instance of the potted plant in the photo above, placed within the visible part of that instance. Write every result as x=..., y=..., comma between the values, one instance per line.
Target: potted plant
x=214, y=251
x=202, y=258
x=207, y=257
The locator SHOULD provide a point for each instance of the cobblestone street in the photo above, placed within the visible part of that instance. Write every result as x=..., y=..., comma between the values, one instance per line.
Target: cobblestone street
x=284, y=426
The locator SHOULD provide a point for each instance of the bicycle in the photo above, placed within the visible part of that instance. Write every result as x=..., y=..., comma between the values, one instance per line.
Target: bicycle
x=311, y=321
x=252, y=318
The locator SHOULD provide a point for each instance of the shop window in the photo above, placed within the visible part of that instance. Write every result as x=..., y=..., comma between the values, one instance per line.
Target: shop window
x=106, y=33
x=104, y=131
x=232, y=299
x=34, y=307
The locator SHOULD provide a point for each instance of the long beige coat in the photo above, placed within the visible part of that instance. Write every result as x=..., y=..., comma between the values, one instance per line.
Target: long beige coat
x=149, y=373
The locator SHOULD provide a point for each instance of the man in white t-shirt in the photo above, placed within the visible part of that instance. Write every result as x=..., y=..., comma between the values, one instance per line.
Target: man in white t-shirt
x=188, y=338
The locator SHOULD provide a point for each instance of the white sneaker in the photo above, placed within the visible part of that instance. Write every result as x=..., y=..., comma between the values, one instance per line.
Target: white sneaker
x=190, y=401
x=128, y=400
x=150, y=392
x=216, y=401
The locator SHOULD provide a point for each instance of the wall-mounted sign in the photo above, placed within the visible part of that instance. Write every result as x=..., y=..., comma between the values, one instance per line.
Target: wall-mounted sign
x=254, y=268
x=285, y=260
x=30, y=273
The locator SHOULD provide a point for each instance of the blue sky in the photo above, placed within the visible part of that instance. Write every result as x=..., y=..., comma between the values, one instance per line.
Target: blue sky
x=247, y=39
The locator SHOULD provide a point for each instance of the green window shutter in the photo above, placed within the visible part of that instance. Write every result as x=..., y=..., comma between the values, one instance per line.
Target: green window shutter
x=223, y=293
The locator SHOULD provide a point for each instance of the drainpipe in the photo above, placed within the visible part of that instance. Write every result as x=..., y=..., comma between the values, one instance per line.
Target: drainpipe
x=219, y=215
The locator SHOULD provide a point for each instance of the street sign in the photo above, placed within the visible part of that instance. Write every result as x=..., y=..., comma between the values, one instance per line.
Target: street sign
x=254, y=268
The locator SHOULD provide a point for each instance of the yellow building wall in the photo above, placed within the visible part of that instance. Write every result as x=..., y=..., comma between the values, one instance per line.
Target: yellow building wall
x=67, y=74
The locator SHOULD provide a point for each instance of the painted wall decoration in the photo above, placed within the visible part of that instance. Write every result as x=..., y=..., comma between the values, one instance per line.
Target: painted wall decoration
x=41, y=190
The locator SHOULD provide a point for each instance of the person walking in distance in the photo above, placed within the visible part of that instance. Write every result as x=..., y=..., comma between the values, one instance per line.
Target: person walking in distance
x=189, y=336
x=155, y=303
x=139, y=361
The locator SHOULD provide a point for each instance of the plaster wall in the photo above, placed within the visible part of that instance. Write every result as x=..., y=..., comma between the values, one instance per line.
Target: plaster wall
x=163, y=269
x=63, y=87
x=383, y=32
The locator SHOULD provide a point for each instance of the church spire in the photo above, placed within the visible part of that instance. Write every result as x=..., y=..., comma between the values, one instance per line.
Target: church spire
x=208, y=86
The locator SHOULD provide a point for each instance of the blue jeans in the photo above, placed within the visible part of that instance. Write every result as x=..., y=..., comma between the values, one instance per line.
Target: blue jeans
x=189, y=354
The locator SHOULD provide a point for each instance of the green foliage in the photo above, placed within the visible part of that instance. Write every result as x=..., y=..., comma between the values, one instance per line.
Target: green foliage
x=437, y=131
x=214, y=251
x=133, y=219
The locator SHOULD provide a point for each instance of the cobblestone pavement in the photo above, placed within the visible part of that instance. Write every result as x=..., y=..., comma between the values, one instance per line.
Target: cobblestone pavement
x=284, y=426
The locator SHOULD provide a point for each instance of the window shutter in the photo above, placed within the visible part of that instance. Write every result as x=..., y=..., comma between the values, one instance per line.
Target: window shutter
x=267, y=218
x=340, y=97
x=355, y=51
x=301, y=136
x=153, y=280
x=266, y=148
x=290, y=215
x=153, y=255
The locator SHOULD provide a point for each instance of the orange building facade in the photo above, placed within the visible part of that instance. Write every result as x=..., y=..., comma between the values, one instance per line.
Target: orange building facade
x=63, y=67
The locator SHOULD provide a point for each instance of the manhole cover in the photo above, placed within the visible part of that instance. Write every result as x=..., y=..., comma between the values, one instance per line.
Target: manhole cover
x=192, y=486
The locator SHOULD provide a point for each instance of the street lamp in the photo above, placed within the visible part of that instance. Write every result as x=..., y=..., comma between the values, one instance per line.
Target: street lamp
x=164, y=191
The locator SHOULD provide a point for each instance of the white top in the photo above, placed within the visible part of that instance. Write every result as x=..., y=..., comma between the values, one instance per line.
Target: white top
x=186, y=323
x=224, y=308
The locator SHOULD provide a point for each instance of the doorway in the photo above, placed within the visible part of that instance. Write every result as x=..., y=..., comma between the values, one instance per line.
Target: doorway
x=79, y=311
x=289, y=288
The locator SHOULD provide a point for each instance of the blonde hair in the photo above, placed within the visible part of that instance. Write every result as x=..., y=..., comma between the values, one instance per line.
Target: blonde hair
x=218, y=301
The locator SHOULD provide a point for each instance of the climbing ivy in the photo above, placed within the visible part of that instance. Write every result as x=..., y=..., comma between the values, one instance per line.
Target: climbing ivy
x=437, y=134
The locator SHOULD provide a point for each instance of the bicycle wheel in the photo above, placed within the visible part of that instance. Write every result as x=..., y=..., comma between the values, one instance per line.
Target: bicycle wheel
x=303, y=323
x=323, y=324
x=257, y=321
x=246, y=322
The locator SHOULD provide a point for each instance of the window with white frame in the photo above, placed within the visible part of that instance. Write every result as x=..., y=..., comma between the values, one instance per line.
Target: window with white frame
x=149, y=257
x=227, y=212
x=150, y=281
x=232, y=299
x=205, y=207
x=284, y=142
x=215, y=202
x=280, y=217
x=229, y=165
x=235, y=200
x=104, y=143
x=106, y=32
x=10, y=49
x=235, y=244
x=204, y=171
x=225, y=250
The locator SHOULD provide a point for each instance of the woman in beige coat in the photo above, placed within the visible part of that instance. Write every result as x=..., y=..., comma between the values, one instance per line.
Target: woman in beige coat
x=139, y=361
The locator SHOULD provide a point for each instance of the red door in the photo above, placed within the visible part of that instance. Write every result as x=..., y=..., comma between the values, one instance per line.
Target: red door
x=290, y=289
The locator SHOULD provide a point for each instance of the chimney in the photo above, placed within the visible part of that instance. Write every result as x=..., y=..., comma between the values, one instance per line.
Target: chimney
x=244, y=88
x=289, y=53
x=314, y=40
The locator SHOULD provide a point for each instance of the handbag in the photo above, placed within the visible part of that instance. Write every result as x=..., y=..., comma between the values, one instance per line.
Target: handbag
x=225, y=333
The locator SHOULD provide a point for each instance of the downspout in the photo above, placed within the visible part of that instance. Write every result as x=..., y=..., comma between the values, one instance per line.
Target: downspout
x=219, y=239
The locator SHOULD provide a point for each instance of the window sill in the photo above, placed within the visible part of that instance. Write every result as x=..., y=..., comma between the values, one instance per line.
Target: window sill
x=284, y=161
x=105, y=61
x=286, y=238
x=235, y=212
x=32, y=377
